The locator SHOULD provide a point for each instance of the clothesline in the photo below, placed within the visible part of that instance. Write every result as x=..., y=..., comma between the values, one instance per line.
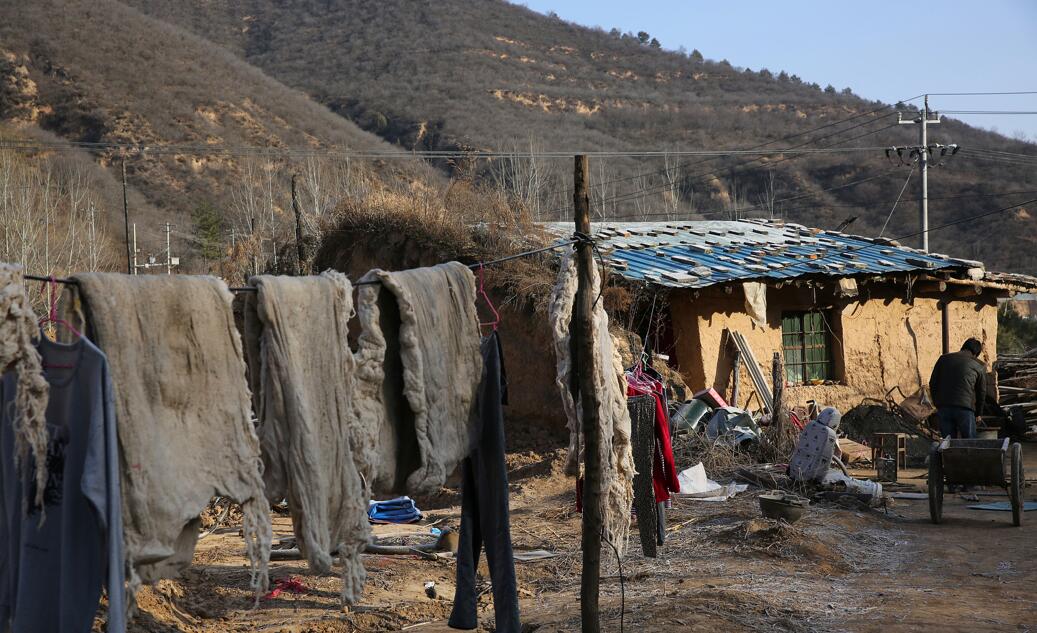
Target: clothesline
x=65, y=280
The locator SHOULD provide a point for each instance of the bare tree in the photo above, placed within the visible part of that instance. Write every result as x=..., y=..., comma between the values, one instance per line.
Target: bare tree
x=605, y=191
x=768, y=197
x=524, y=175
x=48, y=215
x=674, y=180
x=737, y=202
x=642, y=203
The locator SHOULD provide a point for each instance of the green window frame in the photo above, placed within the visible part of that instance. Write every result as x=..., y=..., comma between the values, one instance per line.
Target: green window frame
x=807, y=347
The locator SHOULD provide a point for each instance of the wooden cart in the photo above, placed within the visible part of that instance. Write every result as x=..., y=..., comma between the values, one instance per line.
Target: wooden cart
x=976, y=463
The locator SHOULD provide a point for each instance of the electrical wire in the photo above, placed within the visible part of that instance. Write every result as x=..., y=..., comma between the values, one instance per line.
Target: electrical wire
x=622, y=587
x=501, y=260
x=883, y=205
x=209, y=150
x=988, y=111
x=788, y=199
x=897, y=201
x=765, y=144
x=979, y=94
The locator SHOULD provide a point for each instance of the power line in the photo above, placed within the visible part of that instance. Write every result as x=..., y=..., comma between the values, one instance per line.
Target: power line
x=1001, y=159
x=755, y=147
x=790, y=198
x=661, y=188
x=260, y=151
x=979, y=94
x=896, y=202
x=988, y=111
x=814, y=206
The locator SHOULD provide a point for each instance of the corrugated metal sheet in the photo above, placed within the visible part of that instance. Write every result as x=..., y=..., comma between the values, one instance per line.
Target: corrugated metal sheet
x=696, y=254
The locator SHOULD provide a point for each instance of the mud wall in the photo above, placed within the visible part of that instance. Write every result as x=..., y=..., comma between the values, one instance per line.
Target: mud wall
x=881, y=339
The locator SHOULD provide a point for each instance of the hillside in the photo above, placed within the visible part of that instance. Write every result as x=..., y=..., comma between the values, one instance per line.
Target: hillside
x=67, y=74
x=488, y=74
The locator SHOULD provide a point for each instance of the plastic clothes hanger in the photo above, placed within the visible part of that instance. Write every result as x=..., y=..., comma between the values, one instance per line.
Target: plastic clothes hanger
x=482, y=292
x=52, y=317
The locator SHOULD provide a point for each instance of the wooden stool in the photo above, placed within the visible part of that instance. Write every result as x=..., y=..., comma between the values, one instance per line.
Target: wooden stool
x=890, y=444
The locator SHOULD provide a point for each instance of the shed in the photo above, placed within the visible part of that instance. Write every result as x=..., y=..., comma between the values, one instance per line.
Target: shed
x=851, y=316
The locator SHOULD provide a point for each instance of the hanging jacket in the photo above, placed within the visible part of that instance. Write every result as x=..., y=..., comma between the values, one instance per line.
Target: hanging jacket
x=664, y=469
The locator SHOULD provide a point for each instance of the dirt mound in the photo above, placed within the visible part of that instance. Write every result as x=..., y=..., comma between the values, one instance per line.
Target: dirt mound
x=761, y=536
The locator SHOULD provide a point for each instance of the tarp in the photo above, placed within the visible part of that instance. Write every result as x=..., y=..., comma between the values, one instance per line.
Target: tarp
x=695, y=484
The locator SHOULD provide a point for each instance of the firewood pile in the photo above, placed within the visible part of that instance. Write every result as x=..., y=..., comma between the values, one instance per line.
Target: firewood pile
x=1017, y=384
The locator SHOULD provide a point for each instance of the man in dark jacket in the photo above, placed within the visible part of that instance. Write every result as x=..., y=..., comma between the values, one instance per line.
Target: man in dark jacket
x=958, y=385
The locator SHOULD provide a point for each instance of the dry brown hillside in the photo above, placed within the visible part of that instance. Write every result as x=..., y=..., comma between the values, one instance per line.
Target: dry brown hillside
x=102, y=72
x=486, y=73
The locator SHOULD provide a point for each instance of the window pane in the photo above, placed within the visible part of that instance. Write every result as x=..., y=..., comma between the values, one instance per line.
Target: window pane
x=806, y=345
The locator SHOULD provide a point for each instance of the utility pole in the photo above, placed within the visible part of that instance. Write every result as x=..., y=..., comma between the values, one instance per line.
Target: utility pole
x=134, y=248
x=592, y=522
x=300, y=249
x=170, y=260
x=923, y=121
x=126, y=219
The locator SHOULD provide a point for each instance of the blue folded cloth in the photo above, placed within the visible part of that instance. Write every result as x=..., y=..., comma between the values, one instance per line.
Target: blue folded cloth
x=398, y=510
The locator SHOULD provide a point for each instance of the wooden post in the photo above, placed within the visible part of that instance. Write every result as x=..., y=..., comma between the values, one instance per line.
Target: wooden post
x=592, y=524
x=945, y=330
x=735, y=380
x=126, y=220
x=300, y=249
x=778, y=380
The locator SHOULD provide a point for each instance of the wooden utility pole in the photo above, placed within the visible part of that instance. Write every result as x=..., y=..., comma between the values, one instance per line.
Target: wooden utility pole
x=778, y=380
x=126, y=219
x=300, y=249
x=592, y=524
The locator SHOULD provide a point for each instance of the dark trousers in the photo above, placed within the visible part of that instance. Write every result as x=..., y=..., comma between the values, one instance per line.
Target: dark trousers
x=484, y=508
x=957, y=422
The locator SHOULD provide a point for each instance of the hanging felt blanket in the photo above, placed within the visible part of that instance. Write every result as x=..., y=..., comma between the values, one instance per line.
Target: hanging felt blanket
x=418, y=371
x=18, y=330
x=183, y=414
x=314, y=451
x=617, y=460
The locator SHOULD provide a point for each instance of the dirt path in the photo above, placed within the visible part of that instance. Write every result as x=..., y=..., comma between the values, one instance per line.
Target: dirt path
x=723, y=569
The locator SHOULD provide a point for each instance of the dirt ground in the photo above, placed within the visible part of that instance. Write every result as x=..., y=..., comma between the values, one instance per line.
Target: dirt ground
x=724, y=568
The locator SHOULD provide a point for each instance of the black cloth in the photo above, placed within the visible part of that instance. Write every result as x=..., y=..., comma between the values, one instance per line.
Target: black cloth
x=642, y=436
x=958, y=380
x=484, y=507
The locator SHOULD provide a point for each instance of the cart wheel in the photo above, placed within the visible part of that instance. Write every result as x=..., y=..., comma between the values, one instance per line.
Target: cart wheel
x=1015, y=491
x=936, y=486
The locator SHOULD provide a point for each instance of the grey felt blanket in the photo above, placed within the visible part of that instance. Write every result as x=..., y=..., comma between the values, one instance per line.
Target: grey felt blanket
x=183, y=412
x=419, y=369
x=617, y=460
x=18, y=330
x=303, y=373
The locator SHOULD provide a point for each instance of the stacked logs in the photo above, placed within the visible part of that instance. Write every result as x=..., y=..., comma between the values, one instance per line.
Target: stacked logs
x=1017, y=384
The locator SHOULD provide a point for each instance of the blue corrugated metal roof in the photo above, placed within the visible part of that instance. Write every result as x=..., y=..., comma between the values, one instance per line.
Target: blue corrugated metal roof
x=696, y=254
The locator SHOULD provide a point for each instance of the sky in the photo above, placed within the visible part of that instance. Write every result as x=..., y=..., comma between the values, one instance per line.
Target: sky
x=880, y=49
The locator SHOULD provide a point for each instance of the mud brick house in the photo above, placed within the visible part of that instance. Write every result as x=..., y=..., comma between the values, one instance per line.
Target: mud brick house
x=851, y=316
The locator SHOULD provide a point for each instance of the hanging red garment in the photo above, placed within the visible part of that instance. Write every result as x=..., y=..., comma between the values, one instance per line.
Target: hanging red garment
x=664, y=469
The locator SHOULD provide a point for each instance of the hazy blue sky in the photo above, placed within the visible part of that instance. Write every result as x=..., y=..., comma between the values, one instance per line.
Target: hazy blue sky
x=881, y=49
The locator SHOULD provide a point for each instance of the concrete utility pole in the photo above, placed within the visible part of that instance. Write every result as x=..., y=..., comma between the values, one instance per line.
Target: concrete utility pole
x=583, y=332
x=134, y=269
x=170, y=260
x=923, y=121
